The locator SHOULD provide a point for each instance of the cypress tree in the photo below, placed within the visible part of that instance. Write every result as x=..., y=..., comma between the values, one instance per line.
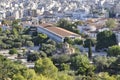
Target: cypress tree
x=90, y=51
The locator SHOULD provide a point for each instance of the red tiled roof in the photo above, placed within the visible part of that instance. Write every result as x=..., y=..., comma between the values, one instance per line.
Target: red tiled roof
x=59, y=31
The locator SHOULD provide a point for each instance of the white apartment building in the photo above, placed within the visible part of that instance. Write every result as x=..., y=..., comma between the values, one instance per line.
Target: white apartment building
x=117, y=9
x=80, y=15
x=2, y=15
x=118, y=38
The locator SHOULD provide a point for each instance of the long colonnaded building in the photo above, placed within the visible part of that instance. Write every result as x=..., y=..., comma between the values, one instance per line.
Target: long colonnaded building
x=55, y=33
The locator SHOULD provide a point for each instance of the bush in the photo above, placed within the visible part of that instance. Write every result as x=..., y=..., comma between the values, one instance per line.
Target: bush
x=29, y=44
x=78, y=41
x=13, y=51
x=32, y=57
x=64, y=66
x=59, y=59
x=87, y=42
x=114, y=51
x=17, y=44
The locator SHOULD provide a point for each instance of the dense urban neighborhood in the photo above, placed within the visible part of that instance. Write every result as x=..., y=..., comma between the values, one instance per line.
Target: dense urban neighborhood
x=59, y=39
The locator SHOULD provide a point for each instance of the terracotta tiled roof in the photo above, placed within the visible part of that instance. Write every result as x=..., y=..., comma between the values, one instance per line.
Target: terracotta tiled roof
x=59, y=31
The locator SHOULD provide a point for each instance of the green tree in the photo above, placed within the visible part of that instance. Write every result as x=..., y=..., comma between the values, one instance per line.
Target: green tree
x=15, y=32
x=41, y=77
x=29, y=74
x=49, y=41
x=106, y=76
x=81, y=64
x=117, y=77
x=68, y=40
x=87, y=42
x=42, y=54
x=115, y=67
x=79, y=23
x=9, y=68
x=65, y=66
x=78, y=41
x=15, y=23
x=32, y=57
x=3, y=70
x=17, y=44
x=59, y=59
x=113, y=51
x=0, y=29
x=89, y=51
x=29, y=44
x=18, y=77
x=7, y=32
x=40, y=38
x=26, y=37
x=68, y=25
x=111, y=23
x=103, y=63
x=63, y=23
x=63, y=76
x=105, y=39
x=3, y=46
x=48, y=49
x=17, y=26
x=46, y=67
x=13, y=51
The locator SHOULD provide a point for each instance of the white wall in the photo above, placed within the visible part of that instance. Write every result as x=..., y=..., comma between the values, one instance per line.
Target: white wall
x=118, y=38
x=50, y=34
